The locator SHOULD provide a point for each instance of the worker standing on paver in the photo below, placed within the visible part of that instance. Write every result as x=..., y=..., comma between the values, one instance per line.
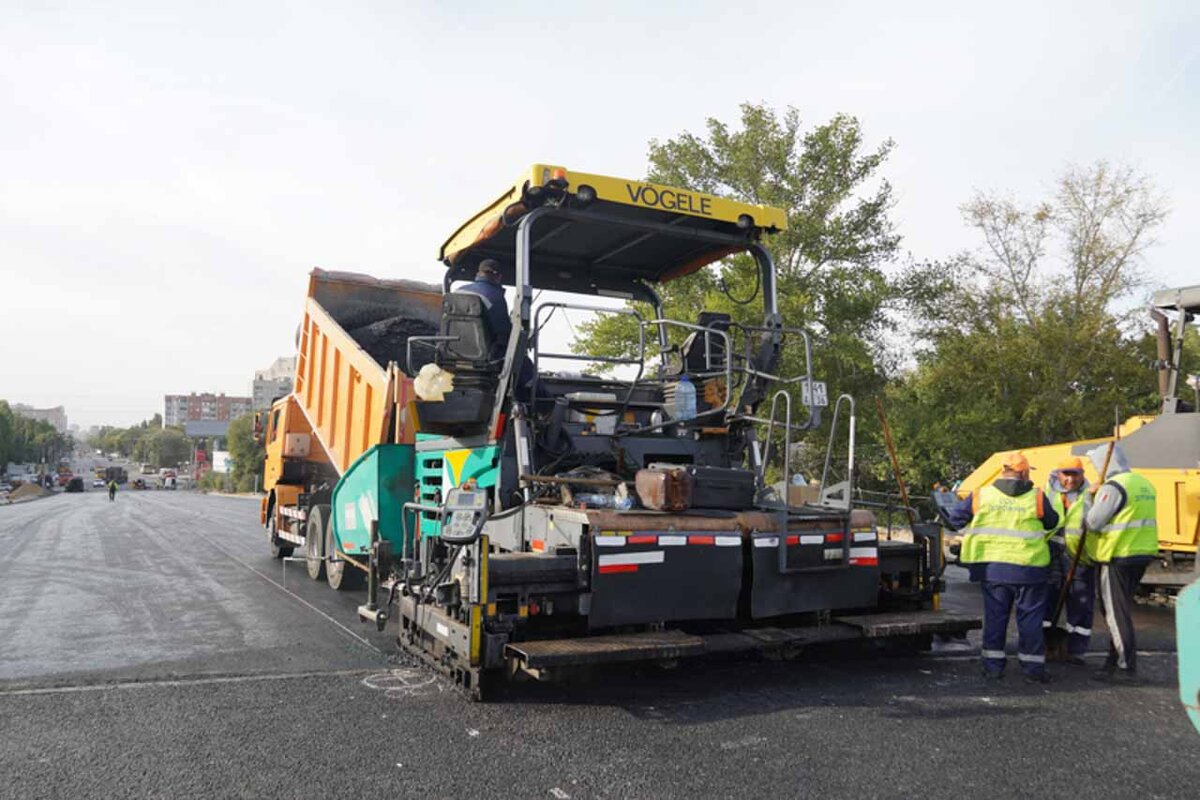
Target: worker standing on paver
x=1004, y=547
x=1123, y=520
x=112, y=490
x=1066, y=489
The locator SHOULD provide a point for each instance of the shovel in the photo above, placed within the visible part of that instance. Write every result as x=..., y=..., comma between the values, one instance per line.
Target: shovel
x=1056, y=637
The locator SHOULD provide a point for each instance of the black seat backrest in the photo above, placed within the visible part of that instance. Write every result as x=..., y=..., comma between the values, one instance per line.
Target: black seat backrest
x=463, y=318
x=693, y=346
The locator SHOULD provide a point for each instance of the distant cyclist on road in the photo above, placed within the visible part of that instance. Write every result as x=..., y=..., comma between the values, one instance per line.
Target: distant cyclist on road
x=112, y=490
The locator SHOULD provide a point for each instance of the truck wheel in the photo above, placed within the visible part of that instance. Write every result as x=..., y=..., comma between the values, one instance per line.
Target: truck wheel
x=341, y=576
x=279, y=549
x=314, y=541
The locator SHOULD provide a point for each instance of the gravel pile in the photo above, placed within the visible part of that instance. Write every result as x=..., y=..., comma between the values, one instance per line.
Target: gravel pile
x=387, y=340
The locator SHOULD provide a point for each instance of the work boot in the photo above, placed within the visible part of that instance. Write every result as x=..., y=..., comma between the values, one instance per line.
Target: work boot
x=1076, y=661
x=993, y=675
x=1041, y=677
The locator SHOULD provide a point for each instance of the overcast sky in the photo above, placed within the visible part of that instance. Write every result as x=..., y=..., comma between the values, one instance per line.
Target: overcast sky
x=169, y=172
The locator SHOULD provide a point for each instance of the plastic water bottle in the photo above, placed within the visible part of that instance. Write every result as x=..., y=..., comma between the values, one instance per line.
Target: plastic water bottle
x=685, y=399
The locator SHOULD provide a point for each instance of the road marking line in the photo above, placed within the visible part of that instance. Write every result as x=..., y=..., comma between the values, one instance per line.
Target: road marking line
x=152, y=683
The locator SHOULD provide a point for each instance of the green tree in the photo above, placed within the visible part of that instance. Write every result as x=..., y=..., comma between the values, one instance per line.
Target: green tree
x=247, y=454
x=1024, y=342
x=7, y=434
x=166, y=447
x=829, y=259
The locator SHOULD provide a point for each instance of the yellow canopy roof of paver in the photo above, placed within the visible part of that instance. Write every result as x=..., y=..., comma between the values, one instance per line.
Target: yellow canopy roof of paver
x=594, y=251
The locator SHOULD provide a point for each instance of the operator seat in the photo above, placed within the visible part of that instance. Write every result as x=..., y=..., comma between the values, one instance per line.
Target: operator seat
x=693, y=346
x=470, y=355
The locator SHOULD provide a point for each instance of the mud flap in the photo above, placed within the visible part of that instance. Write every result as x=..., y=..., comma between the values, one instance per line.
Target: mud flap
x=644, y=577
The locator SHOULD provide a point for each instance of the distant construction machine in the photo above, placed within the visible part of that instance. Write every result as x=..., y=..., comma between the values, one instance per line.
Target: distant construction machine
x=1164, y=448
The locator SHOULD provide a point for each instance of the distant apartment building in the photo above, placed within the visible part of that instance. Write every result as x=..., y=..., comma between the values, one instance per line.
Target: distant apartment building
x=272, y=382
x=56, y=416
x=179, y=409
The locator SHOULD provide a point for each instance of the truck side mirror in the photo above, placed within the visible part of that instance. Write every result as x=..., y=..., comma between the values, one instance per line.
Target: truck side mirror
x=258, y=427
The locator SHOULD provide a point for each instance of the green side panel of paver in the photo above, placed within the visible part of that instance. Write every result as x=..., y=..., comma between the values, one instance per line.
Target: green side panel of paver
x=1187, y=638
x=376, y=486
x=438, y=470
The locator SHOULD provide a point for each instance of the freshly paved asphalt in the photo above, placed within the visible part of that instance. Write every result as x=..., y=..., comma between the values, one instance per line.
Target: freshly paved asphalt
x=151, y=647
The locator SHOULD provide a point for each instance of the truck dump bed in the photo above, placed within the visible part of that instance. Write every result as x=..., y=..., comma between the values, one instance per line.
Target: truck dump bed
x=352, y=344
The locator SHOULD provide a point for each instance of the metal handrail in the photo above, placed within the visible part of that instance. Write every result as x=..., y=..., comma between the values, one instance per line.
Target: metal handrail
x=814, y=416
x=727, y=373
x=787, y=439
x=837, y=407
x=419, y=508
x=538, y=354
x=427, y=341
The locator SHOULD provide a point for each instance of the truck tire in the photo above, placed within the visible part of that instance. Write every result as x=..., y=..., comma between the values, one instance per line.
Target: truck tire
x=314, y=541
x=341, y=576
x=279, y=548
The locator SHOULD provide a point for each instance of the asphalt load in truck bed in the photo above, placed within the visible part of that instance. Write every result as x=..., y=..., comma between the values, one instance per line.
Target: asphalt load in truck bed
x=387, y=340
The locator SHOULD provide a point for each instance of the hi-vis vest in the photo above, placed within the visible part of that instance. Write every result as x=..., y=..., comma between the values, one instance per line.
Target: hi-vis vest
x=1070, y=521
x=1006, y=529
x=1133, y=531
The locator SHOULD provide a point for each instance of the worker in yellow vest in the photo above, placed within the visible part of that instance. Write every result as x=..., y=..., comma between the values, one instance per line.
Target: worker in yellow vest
x=1004, y=546
x=1066, y=490
x=1123, y=519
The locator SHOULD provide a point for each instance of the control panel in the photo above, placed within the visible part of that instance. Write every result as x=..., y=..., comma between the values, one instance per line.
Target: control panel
x=464, y=512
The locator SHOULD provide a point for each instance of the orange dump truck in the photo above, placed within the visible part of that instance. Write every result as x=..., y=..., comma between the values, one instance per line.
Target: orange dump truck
x=341, y=427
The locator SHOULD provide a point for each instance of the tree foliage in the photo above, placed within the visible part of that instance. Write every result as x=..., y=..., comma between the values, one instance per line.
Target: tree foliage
x=28, y=440
x=247, y=454
x=1024, y=340
x=148, y=442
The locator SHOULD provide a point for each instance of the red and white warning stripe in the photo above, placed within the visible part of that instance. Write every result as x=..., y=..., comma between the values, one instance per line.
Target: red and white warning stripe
x=667, y=540
x=864, y=556
x=800, y=539
x=628, y=562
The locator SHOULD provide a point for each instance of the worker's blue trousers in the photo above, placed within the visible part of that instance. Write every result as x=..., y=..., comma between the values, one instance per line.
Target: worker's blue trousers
x=1081, y=600
x=1081, y=607
x=998, y=602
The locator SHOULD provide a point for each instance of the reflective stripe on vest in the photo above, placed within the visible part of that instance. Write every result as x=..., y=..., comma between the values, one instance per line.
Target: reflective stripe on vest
x=1070, y=520
x=1133, y=530
x=1007, y=530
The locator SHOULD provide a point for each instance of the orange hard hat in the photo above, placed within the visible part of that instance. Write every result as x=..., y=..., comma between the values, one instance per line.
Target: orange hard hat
x=1017, y=462
x=1071, y=464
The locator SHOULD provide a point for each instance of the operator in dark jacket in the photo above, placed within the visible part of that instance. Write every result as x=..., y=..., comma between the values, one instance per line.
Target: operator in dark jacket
x=488, y=286
x=1006, y=526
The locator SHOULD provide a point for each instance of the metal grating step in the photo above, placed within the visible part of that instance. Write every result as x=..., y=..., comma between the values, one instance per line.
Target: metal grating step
x=606, y=649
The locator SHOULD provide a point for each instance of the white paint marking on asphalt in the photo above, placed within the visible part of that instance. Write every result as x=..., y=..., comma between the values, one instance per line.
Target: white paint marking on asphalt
x=560, y=794
x=747, y=741
x=402, y=682
x=472, y=732
x=179, y=682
